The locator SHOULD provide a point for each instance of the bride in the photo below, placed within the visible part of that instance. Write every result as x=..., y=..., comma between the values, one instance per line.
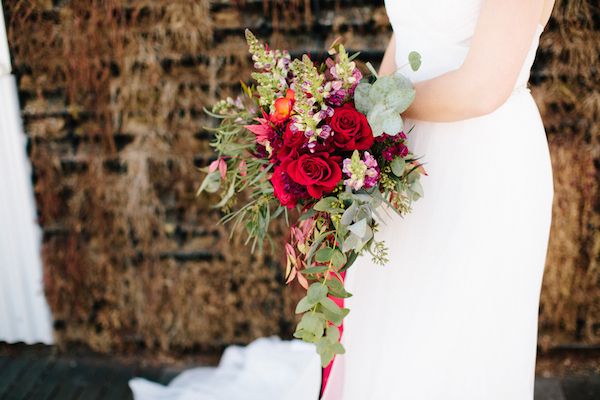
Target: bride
x=454, y=314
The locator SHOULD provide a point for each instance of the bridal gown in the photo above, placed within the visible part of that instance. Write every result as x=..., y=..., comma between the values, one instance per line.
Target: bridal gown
x=454, y=313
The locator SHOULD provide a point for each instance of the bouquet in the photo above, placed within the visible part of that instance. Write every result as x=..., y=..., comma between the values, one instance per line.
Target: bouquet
x=325, y=141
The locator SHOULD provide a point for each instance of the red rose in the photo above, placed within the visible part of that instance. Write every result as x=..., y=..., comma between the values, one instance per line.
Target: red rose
x=351, y=129
x=281, y=188
x=293, y=139
x=318, y=172
x=292, y=143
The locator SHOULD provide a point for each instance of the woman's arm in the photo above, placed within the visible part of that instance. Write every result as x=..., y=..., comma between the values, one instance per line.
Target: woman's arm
x=388, y=64
x=486, y=79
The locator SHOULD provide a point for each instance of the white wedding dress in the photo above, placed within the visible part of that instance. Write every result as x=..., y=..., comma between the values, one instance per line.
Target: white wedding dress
x=454, y=314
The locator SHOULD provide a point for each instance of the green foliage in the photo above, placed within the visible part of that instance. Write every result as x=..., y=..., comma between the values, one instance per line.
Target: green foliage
x=384, y=100
x=414, y=59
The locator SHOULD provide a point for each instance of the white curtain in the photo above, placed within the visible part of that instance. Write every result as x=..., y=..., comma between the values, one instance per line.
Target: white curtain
x=24, y=314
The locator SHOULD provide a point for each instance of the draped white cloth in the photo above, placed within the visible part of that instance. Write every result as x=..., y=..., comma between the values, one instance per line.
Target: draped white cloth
x=454, y=314
x=266, y=369
x=24, y=313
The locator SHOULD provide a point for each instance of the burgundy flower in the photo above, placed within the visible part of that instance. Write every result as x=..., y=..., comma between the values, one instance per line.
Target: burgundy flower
x=285, y=189
x=351, y=129
x=318, y=172
x=292, y=143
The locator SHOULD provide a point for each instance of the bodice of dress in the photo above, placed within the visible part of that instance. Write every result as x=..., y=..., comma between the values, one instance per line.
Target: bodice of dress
x=441, y=31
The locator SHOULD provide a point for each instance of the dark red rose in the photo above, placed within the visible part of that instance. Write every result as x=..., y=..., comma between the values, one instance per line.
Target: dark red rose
x=293, y=142
x=318, y=172
x=293, y=139
x=285, y=189
x=351, y=129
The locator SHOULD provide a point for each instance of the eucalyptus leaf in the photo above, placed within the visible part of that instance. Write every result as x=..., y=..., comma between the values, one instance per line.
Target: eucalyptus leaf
x=211, y=183
x=312, y=323
x=324, y=254
x=393, y=124
x=303, y=305
x=308, y=214
x=227, y=196
x=384, y=120
x=330, y=306
x=316, y=244
x=349, y=215
x=338, y=258
x=352, y=242
x=336, y=289
x=359, y=228
x=362, y=101
x=333, y=334
x=417, y=188
x=316, y=292
x=334, y=318
x=352, y=256
x=398, y=164
x=319, y=269
x=338, y=348
x=363, y=197
x=325, y=204
x=326, y=352
x=414, y=60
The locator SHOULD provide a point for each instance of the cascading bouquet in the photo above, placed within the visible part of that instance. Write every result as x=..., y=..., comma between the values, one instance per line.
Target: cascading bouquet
x=325, y=141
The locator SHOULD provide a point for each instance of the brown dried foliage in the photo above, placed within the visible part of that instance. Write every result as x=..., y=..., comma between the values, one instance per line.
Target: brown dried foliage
x=112, y=96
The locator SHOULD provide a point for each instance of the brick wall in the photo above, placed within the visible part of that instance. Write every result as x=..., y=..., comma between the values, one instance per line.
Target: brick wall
x=112, y=95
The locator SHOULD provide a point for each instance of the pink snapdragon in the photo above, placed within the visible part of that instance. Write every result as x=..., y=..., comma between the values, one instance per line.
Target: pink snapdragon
x=361, y=173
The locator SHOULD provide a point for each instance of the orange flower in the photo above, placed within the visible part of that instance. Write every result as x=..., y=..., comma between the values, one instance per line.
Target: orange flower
x=283, y=107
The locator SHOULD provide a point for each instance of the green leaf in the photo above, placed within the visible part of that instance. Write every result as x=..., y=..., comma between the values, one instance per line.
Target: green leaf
x=211, y=183
x=352, y=256
x=316, y=244
x=338, y=348
x=333, y=334
x=417, y=190
x=349, y=215
x=338, y=258
x=308, y=214
x=393, y=124
x=319, y=269
x=325, y=351
x=414, y=59
x=311, y=327
x=316, y=292
x=228, y=195
x=384, y=120
x=352, y=242
x=330, y=306
x=372, y=69
x=394, y=92
x=359, y=228
x=334, y=318
x=336, y=289
x=325, y=204
x=324, y=254
x=303, y=305
x=398, y=164
x=329, y=345
x=362, y=101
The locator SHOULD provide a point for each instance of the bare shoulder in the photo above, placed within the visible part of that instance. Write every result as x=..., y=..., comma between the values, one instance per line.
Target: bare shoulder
x=546, y=12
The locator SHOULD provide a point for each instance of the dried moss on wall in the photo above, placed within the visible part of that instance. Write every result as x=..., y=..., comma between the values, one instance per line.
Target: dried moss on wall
x=112, y=95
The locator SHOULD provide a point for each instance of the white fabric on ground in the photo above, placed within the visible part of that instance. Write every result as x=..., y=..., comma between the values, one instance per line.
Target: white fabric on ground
x=266, y=369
